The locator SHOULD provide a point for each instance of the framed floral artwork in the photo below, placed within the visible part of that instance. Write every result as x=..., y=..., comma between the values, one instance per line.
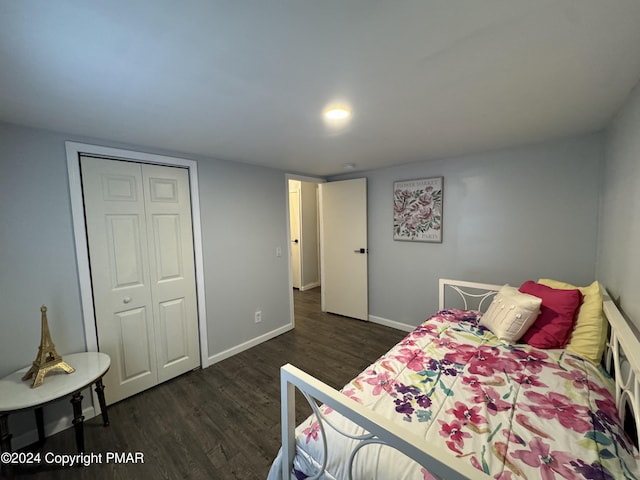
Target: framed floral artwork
x=417, y=210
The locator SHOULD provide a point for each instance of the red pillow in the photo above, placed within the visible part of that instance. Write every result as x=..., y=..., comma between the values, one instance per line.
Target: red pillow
x=553, y=327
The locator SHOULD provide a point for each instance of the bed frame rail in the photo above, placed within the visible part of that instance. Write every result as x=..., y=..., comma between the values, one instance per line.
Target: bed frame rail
x=622, y=361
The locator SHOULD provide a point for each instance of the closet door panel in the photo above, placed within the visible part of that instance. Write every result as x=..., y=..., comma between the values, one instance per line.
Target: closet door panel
x=172, y=273
x=118, y=252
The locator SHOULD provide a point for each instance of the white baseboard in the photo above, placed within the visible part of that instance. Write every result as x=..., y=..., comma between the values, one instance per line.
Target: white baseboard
x=392, y=323
x=218, y=357
x=309, y=286
x=51, y=428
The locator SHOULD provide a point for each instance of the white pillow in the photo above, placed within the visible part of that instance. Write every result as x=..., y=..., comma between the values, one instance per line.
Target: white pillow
x=511, y=313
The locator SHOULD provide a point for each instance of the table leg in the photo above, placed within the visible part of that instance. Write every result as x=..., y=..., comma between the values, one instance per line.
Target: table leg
x=5, y=445
x=78, y=420
x=103, y=404
x=40, y=424
x=5, y=436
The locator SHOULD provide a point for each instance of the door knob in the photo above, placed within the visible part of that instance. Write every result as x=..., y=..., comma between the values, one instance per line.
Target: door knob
x=295, y=241
x=361, y=250
x=126, y=300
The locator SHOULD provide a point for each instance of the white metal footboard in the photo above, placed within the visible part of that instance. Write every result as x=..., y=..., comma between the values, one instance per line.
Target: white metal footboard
x=437, y=461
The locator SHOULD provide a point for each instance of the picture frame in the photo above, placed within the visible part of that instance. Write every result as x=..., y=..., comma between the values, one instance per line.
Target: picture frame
x=417, y=210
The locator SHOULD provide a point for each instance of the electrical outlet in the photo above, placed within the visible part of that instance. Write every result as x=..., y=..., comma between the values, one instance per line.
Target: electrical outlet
x=258, y=316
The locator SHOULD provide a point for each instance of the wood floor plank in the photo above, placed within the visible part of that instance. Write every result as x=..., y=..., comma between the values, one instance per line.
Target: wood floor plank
x=223, y=422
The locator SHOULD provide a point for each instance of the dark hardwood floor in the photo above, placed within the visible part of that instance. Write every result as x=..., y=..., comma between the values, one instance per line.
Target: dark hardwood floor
x=223, y=422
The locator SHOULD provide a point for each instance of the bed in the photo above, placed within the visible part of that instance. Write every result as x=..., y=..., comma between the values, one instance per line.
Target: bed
x=457, y=398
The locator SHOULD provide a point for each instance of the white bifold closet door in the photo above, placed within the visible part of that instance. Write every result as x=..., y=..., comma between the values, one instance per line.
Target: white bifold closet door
x=140, y=238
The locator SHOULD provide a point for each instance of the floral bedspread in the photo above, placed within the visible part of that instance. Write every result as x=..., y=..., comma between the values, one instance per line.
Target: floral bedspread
x=511, y=411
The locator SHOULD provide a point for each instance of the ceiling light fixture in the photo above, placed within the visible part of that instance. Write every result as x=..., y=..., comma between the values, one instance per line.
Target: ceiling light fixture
x=337, y=113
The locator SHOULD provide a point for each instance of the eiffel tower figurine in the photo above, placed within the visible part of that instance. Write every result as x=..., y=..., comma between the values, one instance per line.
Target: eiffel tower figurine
x=47, y=359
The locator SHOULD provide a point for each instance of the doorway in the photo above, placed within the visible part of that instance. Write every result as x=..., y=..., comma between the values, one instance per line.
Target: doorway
x=289, y=251
x=346, y=202
x=304, y=234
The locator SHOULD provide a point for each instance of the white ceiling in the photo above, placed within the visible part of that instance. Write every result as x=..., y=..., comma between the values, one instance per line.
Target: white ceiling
x=246, y=80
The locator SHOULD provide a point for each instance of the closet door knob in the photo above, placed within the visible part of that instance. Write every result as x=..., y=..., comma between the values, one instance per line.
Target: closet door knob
x=126, y=300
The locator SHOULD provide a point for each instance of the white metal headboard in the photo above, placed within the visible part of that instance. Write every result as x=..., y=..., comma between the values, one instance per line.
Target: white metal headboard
x=468, y=291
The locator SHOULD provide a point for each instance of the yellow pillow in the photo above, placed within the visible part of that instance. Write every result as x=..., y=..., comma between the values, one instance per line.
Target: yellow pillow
x=589, y=334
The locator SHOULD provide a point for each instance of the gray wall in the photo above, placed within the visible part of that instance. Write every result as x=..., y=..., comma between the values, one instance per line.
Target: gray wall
x=37, y=254
x=619, y=240
x=243, y=221
x=509, y=216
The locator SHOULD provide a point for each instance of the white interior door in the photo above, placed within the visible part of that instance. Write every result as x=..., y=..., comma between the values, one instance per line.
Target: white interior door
x=295, y=235
x=343, y=231
x=139, y=233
